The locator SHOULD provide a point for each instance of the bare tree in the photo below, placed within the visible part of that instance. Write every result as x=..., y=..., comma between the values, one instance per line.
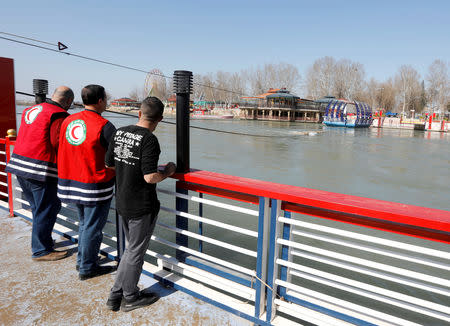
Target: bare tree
x=209, y=87
x=386, y=95
x=348, y=79
x=423, y=98
x=370, y=94
x=281, y=75
x=222, y=84
x=137, y=93
x=237, y=86
x=257, y=81
x=109, y=97
x=343, y=79
x=198, y=90
x=320, y=78
x=326, y=76
x=162, y=89
x=157, y=85
x=287, y=75
x=408, y=85
x=438, y=85
x=134, y=94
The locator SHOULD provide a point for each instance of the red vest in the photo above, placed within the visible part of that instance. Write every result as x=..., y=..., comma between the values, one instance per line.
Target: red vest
x=34, y=156
x=83, y=177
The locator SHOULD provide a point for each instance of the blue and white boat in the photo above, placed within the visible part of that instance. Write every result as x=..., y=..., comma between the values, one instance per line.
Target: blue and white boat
x=342, y=113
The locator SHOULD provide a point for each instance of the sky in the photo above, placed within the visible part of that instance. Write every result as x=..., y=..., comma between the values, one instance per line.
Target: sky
x=208, y=36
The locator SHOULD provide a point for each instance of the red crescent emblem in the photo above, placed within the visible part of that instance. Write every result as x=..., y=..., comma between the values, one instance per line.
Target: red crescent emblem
x=29, y=112
x=73, y=132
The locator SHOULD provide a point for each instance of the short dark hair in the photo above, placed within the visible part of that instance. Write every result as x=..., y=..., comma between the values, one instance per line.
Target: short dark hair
x=152, y=108
x=91, y=94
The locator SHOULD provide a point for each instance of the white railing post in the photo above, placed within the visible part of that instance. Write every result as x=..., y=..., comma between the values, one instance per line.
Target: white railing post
x=200, y=224
x=181, y=222
x=261, y=259
x=272, y=270
x=285, y=274
x=9, y=176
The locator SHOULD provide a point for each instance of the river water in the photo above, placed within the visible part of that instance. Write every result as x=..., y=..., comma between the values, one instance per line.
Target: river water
x=403, y=166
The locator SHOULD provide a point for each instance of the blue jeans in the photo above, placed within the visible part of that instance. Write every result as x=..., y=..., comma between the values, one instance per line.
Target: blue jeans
x=92, y=221
x=45, y=205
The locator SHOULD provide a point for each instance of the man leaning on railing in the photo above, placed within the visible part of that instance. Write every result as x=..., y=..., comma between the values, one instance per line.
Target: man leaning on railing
x=83, y=179
x=34, y=163
x=134, y=153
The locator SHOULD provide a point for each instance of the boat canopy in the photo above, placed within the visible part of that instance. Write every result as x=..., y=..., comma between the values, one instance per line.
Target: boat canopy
x=345, y=113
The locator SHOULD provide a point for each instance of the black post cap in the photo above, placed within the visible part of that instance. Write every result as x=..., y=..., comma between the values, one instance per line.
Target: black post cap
x=182, y=82
x=40, y=86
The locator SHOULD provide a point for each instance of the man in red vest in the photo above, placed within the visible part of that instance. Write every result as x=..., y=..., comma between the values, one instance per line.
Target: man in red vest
x=83, y=177
x=34, y=163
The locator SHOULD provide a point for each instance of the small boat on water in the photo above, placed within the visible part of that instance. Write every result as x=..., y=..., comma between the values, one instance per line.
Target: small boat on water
x=342, y=113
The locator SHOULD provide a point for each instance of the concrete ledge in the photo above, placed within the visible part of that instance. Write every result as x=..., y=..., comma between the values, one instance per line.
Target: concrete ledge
x=50, y=293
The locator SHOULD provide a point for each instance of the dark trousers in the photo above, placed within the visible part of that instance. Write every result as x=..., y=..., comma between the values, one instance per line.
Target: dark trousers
x=138, y=232
x=45, y=206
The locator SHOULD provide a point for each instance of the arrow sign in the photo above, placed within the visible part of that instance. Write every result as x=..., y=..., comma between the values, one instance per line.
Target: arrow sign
x=61, y=46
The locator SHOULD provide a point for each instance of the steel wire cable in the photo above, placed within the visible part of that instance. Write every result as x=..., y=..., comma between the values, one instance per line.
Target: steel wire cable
x=168, y=122
x=129, y=68
x=84, y=57
x=103, y=61
x=28, y=38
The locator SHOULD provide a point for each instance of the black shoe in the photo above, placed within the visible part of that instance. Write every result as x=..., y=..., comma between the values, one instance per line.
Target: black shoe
x=114, y=304
x=98, y=270
x=144, y=299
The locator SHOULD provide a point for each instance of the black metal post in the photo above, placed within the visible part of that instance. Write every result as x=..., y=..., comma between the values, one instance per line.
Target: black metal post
x=40, y=90
x=182, y=82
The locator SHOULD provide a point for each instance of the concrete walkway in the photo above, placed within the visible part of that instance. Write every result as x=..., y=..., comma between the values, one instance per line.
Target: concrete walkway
x=49, y=293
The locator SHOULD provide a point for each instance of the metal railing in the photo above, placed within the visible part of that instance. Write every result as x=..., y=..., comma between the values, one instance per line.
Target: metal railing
x=277, y=254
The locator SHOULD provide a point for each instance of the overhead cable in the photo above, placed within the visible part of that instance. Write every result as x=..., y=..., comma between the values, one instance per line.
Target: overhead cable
x=84, y=57
x=99, y=60
x=167, y=122
x=28, y=38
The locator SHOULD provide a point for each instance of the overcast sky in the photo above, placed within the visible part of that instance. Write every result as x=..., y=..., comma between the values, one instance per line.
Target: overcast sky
x=207, y=36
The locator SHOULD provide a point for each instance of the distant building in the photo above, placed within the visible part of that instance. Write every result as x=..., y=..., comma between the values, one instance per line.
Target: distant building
x=280, y=105
x=125, y=101
x=274, y=97
x=172, y=101
x=204, y=105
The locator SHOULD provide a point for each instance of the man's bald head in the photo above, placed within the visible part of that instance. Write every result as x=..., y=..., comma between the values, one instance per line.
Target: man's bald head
x=64, y=96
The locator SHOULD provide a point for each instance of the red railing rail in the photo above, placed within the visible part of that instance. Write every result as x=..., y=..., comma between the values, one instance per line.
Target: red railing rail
x=421, y=222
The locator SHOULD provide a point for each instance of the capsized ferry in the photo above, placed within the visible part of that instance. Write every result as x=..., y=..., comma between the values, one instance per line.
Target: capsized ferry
x=343, y=113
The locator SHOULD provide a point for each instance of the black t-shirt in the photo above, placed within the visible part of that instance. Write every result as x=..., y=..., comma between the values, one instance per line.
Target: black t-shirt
x=134, y=151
